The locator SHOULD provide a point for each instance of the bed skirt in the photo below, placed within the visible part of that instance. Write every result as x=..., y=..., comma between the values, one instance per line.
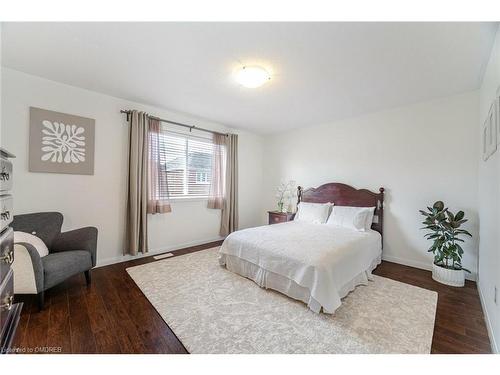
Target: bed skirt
x=271, y=280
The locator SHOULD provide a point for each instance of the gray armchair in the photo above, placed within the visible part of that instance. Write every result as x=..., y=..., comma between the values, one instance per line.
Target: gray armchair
x=70, y=252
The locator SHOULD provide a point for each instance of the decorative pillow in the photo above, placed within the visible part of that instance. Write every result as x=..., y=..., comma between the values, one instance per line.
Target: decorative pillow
x=33, y=240
x=315, y=213
x=350, y=217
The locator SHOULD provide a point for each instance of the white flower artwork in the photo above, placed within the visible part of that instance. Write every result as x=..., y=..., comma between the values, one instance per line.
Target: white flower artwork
x=62, y=143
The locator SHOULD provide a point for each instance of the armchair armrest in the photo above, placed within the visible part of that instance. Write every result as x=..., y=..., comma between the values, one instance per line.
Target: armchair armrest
x=78, y=239
x=28, y=269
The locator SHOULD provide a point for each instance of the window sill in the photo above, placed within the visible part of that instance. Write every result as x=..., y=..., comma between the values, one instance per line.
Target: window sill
x=188, y=199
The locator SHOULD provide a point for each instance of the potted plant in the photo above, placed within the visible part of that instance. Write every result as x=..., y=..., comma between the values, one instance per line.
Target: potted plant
x=444, y=231
x=284, y=193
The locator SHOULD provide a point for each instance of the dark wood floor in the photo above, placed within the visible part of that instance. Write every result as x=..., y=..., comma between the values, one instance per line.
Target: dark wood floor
x=113, y=316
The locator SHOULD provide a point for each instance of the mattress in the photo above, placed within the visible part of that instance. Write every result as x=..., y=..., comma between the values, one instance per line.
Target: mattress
x=318, y=264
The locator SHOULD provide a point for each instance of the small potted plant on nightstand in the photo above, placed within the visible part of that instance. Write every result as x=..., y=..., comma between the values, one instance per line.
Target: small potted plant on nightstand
x=284, y=193
x=445, y=233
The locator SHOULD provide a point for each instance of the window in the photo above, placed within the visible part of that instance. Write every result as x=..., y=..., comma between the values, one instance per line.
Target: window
x=187, y=162
x=202, y=177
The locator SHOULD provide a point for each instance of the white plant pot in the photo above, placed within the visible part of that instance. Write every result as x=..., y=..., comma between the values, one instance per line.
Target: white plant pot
x=447, y=276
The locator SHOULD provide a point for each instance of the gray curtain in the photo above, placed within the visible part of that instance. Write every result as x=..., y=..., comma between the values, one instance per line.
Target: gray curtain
x=137, y=195
x=157, y=187
x=229, y=214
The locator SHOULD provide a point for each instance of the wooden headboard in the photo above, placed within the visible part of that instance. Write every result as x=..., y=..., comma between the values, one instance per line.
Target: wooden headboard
x=345, y=195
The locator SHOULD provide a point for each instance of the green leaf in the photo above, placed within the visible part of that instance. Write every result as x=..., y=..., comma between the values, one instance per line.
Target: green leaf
x=433, y=227
x=447, y=225
x=439, y=206
x=451, y=217
x=459, y=216
x=463, y=231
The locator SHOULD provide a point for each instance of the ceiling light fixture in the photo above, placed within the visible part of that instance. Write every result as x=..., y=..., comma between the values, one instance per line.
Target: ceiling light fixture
x=252, y=76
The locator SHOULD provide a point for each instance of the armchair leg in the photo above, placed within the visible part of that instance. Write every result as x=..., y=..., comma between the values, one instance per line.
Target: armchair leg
x=41, y=300
x=88, y=277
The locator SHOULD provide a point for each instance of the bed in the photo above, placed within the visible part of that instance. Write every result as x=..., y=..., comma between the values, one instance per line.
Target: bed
x=314, y=263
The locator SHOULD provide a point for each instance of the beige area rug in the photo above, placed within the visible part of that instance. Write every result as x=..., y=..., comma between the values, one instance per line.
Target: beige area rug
x=212, y=310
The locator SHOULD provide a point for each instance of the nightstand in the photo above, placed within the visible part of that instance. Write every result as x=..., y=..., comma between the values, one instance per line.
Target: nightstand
x=276, y=217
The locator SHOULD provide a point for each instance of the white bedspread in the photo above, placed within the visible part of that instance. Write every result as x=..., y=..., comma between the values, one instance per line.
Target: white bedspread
x=324, y=260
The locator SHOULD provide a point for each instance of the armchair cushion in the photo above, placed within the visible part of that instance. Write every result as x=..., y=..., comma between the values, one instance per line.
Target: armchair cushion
x=78, y=239
x=59, y=266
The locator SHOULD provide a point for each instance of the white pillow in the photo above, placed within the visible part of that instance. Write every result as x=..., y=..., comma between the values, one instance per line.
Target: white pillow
x=369, y=217
x=315, y=213
x=350, y=217
x=35, y=241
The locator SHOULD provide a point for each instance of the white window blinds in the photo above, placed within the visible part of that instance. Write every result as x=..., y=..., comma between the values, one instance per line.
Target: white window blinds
x=187, y=162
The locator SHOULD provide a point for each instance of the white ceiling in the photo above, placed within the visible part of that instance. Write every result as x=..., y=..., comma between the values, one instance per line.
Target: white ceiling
x=321, y=71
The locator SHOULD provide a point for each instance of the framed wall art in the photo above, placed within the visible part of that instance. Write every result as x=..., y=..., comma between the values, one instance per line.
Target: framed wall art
x=60, y=142
x=489, y=132
x=497, y=118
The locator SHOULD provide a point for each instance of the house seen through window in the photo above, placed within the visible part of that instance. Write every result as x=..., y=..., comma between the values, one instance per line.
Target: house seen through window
x=187, y=162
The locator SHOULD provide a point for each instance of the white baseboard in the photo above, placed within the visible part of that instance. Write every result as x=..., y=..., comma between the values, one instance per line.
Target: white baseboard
x=125, y=258
x=421, y=265
x=494, y=346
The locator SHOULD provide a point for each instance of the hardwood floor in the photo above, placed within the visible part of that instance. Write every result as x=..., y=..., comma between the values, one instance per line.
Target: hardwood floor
x=460, y=326
x=113, y=316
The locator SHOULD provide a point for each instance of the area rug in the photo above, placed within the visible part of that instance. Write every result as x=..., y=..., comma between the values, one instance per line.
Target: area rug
x=212, y=310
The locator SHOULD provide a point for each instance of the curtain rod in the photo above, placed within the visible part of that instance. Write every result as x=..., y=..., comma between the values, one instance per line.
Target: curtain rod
x=190, y=127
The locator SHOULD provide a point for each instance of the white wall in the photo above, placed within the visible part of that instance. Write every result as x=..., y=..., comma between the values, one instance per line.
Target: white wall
x=99, y=200
x=0, y=85
x=489, y=205
x=419, y=154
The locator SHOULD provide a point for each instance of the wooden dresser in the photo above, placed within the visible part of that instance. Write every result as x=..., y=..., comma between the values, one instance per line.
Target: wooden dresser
x=276, y=217
x=9, y=311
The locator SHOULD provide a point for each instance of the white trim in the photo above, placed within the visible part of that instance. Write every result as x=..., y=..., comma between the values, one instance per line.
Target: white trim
x=125, y=258
x=494, y=346
x=421, y=265
x=187, y=198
